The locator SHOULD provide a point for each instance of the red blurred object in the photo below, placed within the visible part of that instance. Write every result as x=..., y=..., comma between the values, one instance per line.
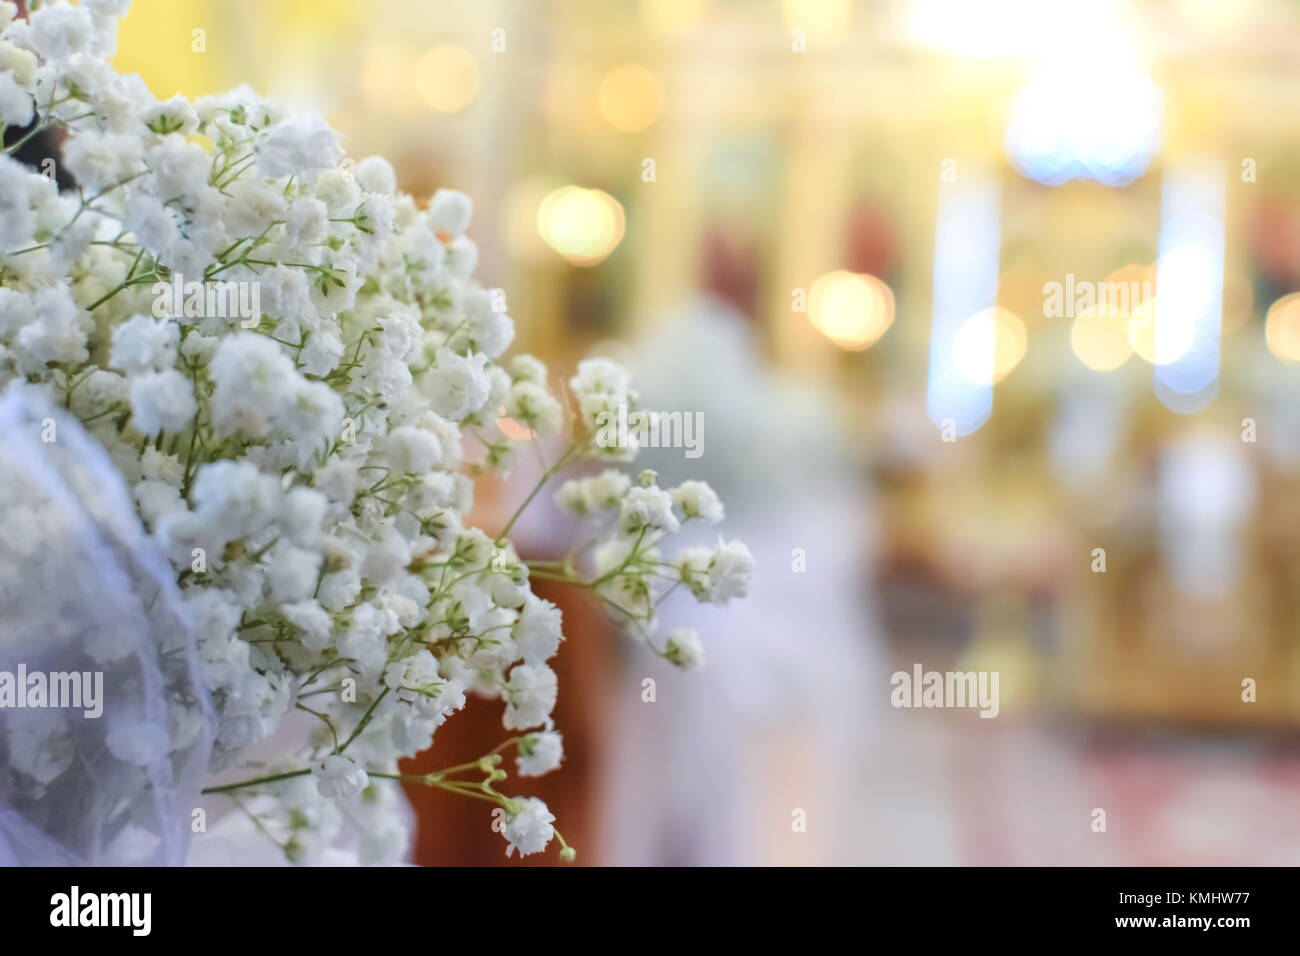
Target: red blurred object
x=1275, y=240
x=730, y=269
x=870, y=240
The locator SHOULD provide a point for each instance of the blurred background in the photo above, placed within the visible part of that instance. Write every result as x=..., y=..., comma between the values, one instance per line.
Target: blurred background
x=856, y=237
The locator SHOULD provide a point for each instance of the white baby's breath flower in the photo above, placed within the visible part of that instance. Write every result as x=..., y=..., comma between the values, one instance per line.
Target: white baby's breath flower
x=16, y=104
x=143, y=344
x=539, y=753
x=450, y=212
x=298, y=147
x=338, y=776
x=731, y=571
x=537, y=632
x=647, y=509
x=302, y=513
x=532, y=405
x=457, y=385
x=526, y=368
x=60, y=330
x=312, y=621
x=251, y=383
x=716, y=575
x=413, y=450
x=601, y=376
x=99, y=161
x=161, y=402
x=530, y=696
x=413, y=673
x=697, y=500
x=530, y=827
x=684, y=649
x=598, y=493
x=375, y=175
x=180, y=169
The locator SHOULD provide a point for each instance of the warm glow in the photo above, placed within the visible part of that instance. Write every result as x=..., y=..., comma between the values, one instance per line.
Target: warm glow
x=630, y=97
x=447, y=78
x=384, y=77
x=817, y=16
x=1282, y=328
x=994, y=329
x=991, y=28
x=512, y=429
x=1101, y=341
x=583, y=225
x=668, y=16
x=1132, y=285
x=851, y=310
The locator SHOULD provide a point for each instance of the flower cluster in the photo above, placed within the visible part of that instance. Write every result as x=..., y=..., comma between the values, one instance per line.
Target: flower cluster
x=306, y=468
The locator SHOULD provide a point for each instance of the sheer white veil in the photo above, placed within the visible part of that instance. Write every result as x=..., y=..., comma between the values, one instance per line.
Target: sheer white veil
x=84, y=592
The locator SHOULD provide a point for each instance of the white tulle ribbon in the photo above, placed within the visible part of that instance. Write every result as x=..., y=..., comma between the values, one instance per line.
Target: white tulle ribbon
x=83, y=592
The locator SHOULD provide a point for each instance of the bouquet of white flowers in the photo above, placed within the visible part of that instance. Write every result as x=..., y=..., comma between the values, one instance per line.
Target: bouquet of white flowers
x=279, y=354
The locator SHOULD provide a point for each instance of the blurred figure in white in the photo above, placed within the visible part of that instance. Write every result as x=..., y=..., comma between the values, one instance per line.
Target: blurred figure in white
x=764, y=756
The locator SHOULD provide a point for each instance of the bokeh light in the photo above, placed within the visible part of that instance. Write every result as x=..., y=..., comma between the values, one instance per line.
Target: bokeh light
x=670, y=16
x=989, y=345
x=582, y=225
x=818, y=16
x=1101, y=341
x=1172, y=344
x=966, y=253
x=1189, y=285
x=1282, y=328
x=1120, y=322
x=630, y=97
x=988, y=29
x=1088, y=119
x=851, y=310
x=447, y=78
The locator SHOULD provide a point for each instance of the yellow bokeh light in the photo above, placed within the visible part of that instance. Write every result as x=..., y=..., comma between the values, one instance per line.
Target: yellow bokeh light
x=1105, y=335
x=989, y=345
x=583, y=225
x=630, y=97
x=1101, y=341
x=821, y=16
x=851, y=310
x=447, y=78
x=1282, y=328
x=668, y=16
x=1126, y=290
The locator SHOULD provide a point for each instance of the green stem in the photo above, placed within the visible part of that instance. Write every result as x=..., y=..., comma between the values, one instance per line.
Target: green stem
x=541, y=482
x=365, y=719
x=257, y=781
